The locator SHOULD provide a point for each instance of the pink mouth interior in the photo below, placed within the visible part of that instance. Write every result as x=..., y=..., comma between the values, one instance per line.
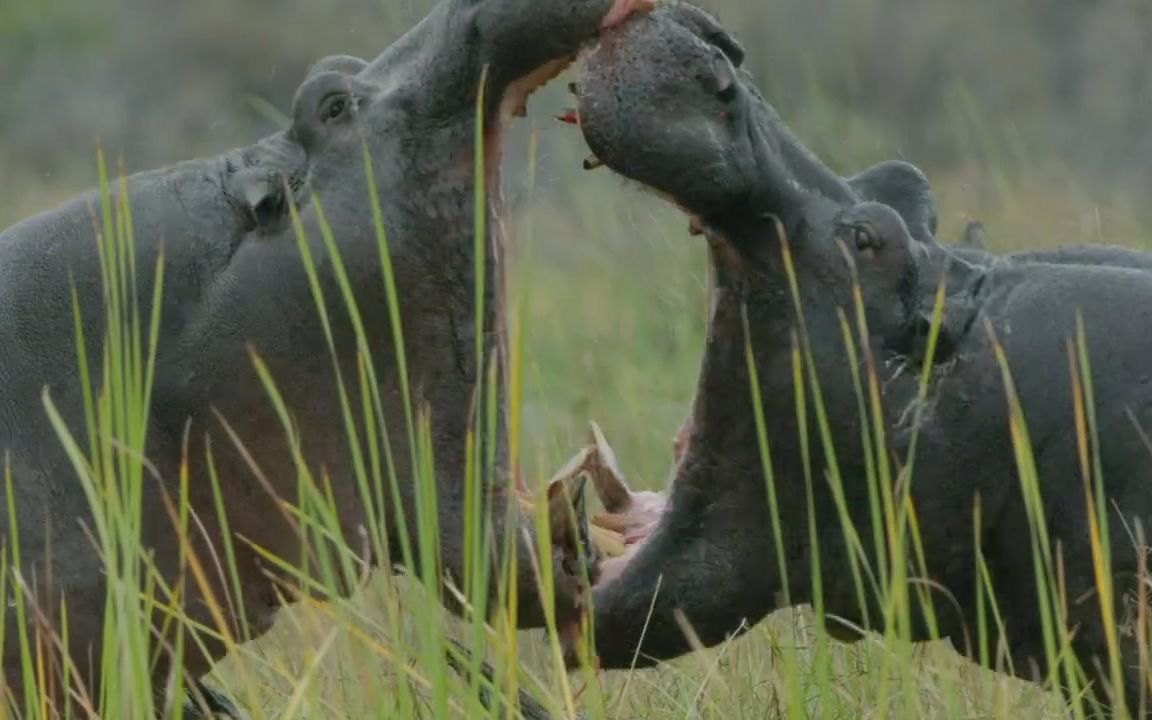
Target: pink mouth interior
x=639, y=518
x=636, y=524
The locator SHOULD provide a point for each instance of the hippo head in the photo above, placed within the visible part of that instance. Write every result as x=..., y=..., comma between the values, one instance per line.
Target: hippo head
x=664, y=101
x=409, y=143
x=417, y=105
x=797, y=252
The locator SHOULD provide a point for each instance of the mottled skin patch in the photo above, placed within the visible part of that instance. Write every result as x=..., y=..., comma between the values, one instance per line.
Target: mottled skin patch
x=235, y=285
x=664, y=105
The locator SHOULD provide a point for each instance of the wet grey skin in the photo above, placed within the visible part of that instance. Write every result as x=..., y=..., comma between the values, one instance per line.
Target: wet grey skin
x=235, y=285
x=663, y=106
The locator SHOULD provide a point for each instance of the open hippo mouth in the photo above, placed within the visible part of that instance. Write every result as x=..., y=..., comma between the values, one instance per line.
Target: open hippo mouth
x=417, y=112
x=512, y=103
x=631, y=55
x=663, y=101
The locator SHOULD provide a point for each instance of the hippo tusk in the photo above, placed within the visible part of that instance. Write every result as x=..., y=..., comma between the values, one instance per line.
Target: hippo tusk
x=592, y=162
x=607, y=479
x=566, y=501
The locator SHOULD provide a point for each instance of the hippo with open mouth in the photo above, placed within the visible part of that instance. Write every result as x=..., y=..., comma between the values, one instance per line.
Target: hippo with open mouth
x=236, y=287
x=819, y=295
x=664, y=103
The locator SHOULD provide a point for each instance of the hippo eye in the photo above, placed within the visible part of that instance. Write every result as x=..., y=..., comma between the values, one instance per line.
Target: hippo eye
x=864, y=239
x=334, y=107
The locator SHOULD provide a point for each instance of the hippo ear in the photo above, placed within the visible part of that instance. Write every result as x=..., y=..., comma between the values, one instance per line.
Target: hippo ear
x=905, y=188
x=263, y=196
x=974, y=236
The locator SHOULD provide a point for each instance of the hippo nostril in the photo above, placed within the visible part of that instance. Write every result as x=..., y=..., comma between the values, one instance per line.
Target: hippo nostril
x=729, y=46
x=725, y=77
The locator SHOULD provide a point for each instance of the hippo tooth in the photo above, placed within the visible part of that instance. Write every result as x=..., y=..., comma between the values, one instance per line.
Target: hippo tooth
x=515, y=101
x=695, y=226
x=592, y=162
x=569, y=116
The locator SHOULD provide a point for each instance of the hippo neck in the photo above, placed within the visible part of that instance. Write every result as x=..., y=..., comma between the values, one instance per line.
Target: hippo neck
x=726, y=439
x=712, y=557
x=715, y=554
x=726, y=453
x=789, y=181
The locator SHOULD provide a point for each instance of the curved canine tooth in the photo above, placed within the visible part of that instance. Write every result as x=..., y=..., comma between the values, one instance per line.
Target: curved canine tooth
x=592, y=162
x=566, y=500
x=575, y=465
x=607, y=479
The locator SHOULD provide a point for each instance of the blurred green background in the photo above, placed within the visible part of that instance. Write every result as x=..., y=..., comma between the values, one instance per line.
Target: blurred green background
x=1032, y=116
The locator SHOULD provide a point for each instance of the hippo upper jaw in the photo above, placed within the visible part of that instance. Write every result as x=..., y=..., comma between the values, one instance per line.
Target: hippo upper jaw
x=428, y=115
x=665, y=105
x=664, y=102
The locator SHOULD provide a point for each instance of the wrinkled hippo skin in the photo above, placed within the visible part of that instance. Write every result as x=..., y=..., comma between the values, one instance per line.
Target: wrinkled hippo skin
x=235, y=285
x=663, y=105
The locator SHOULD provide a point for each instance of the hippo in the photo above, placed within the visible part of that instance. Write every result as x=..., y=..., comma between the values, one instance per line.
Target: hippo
x=238, y=305
x=906, y=188
x=789, y=240
x=200, y=212
x=974, y=237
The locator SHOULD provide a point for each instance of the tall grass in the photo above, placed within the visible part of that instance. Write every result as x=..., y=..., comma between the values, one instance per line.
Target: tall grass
x=624, y=353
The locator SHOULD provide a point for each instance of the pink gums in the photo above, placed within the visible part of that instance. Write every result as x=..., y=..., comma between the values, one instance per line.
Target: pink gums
x=623, y=9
